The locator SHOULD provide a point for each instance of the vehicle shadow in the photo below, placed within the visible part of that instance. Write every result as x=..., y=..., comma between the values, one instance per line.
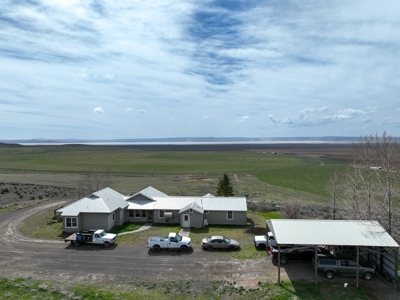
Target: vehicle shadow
x=91, y=247
x=166, y=252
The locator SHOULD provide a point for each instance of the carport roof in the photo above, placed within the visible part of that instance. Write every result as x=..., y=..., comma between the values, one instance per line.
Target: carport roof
x=331, y=232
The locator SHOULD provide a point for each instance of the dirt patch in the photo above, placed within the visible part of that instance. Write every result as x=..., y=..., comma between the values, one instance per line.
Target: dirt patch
x=257, y=231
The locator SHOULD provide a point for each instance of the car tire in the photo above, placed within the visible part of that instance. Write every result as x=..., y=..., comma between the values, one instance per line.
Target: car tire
x=77, y=244
x=262, y=246
x=210, y=248
x=329, y=274
x=283, y=260
x=183, y=248
x=106, y=244
x=156, y=248
x=367, y=276
x=232, y=248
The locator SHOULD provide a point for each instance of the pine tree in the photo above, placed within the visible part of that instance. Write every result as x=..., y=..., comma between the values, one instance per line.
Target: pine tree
x=225, y=188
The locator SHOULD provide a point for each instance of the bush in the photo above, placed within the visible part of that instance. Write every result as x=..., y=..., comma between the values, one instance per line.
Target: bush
x=259, y=206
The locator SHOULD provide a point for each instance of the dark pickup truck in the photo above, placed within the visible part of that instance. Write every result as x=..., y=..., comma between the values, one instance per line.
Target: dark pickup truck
x=343, y=267
x=297, y=252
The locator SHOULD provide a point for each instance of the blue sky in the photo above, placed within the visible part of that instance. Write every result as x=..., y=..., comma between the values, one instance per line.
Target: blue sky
x=153, y=69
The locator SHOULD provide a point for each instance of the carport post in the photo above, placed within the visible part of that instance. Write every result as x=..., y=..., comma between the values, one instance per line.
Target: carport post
x=357, y=262
x=279, y=264
x=315, y=262
x=396, y=264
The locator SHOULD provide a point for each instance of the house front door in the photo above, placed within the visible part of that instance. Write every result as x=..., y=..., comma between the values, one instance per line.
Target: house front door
x=185, y=220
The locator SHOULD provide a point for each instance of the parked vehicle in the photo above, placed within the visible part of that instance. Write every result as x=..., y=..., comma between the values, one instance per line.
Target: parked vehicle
x=262, y=241
x=92, y=236
x=172, y=242
x=298, y=252
x=343, y=267
x=219, y=242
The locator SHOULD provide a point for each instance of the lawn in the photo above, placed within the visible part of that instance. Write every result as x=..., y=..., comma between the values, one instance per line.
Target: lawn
x=22, y=288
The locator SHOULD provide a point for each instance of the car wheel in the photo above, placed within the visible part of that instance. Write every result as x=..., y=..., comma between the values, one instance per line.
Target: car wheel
x=262, y=246
x=184, y=248
x=106, y=244
x=367, y=276
x=231, y=248
x=329, y=274
x=283, y=260
x=156, y=248
x=210, y=248
x=77, y=244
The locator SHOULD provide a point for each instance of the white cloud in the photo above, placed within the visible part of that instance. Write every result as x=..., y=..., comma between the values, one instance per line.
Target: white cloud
x=98, y=110
x=300, y=65
x=129, y=109
x=242, y=119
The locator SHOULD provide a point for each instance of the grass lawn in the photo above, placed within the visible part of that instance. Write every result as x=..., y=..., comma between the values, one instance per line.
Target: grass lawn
x=22, y=288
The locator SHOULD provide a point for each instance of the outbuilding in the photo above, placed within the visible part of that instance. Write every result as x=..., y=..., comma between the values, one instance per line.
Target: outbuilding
x=361, y=234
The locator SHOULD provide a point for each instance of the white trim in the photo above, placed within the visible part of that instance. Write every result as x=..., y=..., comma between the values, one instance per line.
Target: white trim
x=163, y=214
x=227, y=215
x=76, y=221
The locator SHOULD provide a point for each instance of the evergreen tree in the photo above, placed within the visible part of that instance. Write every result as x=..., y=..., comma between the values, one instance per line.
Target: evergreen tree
x=225, y=188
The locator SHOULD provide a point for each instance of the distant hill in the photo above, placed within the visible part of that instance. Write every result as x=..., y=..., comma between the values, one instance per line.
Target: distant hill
x=331, y=139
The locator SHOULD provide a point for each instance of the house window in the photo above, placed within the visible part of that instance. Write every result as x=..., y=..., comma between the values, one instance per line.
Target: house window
x=130, y=213
x=113, y=216
x=161, y=214
x=137, y=213
x=206, y=212
x=71, y=222
x=229, y=215
x=144, y=214
x=190, y=211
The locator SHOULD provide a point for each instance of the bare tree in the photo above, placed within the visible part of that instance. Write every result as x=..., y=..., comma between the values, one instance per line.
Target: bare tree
x=292, y=210
x=94, y=179
x=333, y=188
x=382, y=155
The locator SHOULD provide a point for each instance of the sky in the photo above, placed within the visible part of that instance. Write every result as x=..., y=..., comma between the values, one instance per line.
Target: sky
x=113, y=69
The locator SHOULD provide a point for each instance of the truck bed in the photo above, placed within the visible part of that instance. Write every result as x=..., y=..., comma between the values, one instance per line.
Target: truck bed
x=71, y=238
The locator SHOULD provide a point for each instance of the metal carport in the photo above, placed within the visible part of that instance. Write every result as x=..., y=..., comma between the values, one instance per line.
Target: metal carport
x=358, y=233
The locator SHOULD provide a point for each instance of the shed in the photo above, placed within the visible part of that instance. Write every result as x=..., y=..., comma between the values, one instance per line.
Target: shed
x=332, y=232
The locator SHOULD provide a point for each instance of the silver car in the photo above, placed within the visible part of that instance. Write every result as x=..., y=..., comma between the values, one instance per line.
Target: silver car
x=219, y=242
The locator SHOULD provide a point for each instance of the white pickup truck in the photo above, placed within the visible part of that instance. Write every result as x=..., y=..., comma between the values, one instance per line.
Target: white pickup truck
x=92, y=236
x=172, y=242
x=260, y=241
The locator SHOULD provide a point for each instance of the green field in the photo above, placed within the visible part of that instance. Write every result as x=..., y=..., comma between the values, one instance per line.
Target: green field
x=127, y=161
x=290, y=174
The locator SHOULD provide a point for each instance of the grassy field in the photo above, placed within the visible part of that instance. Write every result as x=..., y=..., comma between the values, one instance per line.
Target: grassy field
x=23, y=288
x=128, y=161
x=262, y=176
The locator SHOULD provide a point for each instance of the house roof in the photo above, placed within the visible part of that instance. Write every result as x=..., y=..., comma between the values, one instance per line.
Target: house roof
x=148, y=192
x=141, y=204
x=207, y=203
x=104, y=201
x=195, y=206
x=331, y=232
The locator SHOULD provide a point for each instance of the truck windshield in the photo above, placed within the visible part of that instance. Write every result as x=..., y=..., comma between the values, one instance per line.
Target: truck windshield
x=103, y=233
x=178, y=237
